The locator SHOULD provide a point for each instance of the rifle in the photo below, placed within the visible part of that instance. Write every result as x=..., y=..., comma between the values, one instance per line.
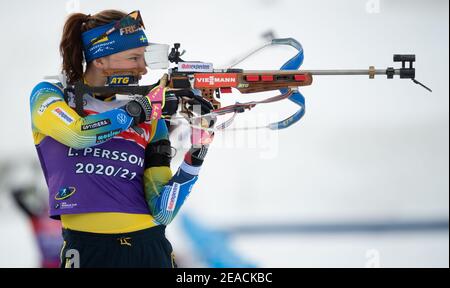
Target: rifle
x=193, y=82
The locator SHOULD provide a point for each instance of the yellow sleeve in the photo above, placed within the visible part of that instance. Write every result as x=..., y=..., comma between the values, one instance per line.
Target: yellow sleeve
x=53, y=117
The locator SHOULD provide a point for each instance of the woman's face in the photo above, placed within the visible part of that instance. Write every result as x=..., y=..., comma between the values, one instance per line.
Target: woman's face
x=128, y=59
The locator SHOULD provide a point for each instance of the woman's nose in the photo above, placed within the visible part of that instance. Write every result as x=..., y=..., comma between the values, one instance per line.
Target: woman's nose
x=143, y=67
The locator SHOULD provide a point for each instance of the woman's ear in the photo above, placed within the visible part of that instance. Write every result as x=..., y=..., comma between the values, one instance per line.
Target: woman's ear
x=99, y=63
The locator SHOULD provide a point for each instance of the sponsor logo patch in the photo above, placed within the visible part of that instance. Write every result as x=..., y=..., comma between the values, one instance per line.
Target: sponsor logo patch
x=195, y=67
x=95, y=125
x=121, y=118
x=65, y=193
x=47, y=103
x=104, y=39
x=173, y=196
x=61, y=114
x=215, y=80
x=102, y=137
x=130, y=30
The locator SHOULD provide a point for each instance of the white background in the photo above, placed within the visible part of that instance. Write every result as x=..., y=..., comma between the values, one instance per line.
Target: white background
x=366, y=150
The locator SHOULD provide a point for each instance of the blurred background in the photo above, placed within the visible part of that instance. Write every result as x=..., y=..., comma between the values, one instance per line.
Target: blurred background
x=361, y=181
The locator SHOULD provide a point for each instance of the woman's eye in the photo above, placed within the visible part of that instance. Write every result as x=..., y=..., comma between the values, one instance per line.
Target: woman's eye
x=133, y=58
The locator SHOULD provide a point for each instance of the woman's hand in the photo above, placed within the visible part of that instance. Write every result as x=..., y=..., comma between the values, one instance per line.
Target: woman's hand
x=201, y=133
x=201, y=137
x=151, y=104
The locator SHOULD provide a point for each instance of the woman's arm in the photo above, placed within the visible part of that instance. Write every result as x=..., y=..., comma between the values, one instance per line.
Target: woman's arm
x=52, y=116
x=165, y=194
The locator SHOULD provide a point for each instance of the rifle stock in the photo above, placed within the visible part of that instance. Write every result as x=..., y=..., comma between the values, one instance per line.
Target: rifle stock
x=214, y=83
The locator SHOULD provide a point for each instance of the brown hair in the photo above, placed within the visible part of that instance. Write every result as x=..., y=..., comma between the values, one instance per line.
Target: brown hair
x=71, y=46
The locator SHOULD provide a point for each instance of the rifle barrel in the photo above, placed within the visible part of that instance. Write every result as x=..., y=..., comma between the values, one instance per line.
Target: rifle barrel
x=337, y=72
x=349, y=72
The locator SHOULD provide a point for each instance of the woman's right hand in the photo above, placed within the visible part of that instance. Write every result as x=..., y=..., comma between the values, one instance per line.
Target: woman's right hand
x=152, y=104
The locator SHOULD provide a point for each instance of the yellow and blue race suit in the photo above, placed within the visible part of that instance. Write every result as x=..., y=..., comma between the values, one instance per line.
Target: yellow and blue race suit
x=97, y=168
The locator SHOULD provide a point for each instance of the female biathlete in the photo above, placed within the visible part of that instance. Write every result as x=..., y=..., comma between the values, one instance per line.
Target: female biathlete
x=108, y=173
